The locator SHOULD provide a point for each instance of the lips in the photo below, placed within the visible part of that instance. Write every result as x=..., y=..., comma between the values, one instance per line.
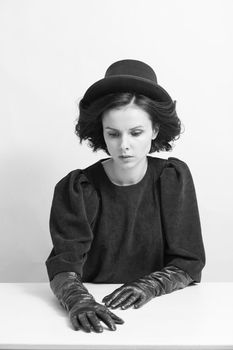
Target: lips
x=125, y=156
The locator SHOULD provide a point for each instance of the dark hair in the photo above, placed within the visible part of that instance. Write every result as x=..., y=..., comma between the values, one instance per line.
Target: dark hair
x=163, y=116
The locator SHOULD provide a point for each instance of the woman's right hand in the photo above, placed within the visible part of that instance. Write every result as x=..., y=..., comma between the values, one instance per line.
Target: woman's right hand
x=87, y=316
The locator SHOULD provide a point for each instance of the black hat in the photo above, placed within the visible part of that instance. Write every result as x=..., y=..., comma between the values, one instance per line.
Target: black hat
x=127, y=76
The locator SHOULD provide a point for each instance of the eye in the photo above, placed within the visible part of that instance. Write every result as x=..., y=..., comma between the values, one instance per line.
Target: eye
x=137, y=133
x=112, y=135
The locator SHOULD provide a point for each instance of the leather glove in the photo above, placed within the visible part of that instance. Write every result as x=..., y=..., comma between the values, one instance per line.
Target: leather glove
x=142, y=290
x=84, y=312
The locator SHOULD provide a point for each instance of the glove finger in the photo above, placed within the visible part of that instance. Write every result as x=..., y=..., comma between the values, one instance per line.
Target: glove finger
x=84, y=322
x=129, y=302
x=94, y=321
x=120, y=299
x=107, y=319
x=116, y=319
x=75, y=323
x=140, y=303
x=108, y=298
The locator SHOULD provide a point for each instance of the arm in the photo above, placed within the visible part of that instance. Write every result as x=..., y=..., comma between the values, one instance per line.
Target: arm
x=84, y=312
x=139, y=292
x=73, y=212
x=184, y=246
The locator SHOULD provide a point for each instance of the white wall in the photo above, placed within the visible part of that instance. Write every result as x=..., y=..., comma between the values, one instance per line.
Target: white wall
x=51, y=51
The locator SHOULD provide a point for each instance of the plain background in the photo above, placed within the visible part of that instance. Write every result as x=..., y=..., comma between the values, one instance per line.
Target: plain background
x=52, y=51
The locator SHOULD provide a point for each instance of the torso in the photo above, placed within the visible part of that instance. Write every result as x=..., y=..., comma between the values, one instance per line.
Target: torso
x=128, y=238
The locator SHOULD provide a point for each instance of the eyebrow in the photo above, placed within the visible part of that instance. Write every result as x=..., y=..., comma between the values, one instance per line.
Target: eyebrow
x=135, y=127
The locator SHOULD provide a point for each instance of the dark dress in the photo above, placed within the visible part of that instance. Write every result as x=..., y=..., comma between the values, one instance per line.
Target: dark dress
x=116, y=234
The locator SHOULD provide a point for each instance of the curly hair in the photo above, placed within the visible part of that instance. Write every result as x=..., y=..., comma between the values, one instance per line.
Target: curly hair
x=163, y=116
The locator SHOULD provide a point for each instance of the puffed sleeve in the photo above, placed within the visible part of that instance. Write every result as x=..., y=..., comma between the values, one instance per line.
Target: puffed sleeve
x=181, y=222
x=73, y=214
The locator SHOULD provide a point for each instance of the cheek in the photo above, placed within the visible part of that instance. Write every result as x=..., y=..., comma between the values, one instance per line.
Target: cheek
x=110, y=143
x=144, y=144
x=145, y=140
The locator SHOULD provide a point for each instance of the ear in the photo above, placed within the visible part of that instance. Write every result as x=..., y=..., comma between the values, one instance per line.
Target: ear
x=155, y=133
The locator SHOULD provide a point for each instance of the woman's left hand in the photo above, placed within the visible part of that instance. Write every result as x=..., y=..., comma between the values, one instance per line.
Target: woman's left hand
x=133, y=294
x=142, y=290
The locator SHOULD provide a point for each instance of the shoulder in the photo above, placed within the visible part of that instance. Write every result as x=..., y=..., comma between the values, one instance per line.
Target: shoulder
x=171, y=168
x=177, y=164
x=169, y=163
x=77, y=181
x=176, y=173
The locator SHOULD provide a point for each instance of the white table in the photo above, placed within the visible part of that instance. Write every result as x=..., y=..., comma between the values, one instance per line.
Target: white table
x=197, y=317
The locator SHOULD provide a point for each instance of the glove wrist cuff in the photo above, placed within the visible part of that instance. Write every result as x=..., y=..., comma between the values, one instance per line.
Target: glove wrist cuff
x=69, y=289
x=167, y=280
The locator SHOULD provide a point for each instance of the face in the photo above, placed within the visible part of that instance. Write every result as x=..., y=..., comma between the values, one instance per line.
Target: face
x=128, y=132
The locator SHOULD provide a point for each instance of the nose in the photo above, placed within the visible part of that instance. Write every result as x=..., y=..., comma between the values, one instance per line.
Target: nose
x=124, y=143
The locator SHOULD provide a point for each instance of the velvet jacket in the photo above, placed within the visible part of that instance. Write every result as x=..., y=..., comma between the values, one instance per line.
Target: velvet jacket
x=116, y=234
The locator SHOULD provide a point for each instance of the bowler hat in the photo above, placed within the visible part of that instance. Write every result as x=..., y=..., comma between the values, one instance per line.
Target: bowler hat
x=127, y=76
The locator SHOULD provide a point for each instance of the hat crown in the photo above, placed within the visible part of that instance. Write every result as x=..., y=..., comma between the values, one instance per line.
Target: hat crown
x=132, y=68
x=127, y=75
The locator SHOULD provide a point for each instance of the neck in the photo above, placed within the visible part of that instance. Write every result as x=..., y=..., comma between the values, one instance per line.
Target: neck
x=124, y=177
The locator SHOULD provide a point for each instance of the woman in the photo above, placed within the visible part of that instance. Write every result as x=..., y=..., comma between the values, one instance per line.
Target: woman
x=129, y=218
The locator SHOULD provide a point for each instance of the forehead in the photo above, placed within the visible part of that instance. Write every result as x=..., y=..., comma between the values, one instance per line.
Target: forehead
x=126, y=117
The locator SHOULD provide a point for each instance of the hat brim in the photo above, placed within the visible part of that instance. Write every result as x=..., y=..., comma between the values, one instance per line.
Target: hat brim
x=125, y=83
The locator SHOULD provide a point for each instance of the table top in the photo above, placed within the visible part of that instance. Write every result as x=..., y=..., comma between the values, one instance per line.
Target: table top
x=197, y=317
